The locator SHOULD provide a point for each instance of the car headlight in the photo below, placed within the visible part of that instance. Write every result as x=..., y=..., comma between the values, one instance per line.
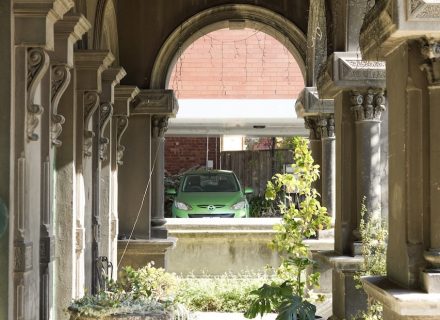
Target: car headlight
x=239, y=205
x=182, y=205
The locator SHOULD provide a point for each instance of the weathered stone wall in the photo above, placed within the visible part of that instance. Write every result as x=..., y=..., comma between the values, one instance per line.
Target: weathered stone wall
x=217, y=246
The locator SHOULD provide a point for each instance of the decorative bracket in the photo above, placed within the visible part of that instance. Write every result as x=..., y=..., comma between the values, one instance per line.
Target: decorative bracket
x=122, y=124
x=38, y=63
x=105, y=113
x=60, y=81
x=91, y=104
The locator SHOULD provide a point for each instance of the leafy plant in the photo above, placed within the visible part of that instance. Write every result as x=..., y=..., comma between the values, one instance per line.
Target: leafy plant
x=146, y=290
x=259, y=206
x=302, y=217
x=223, y=293
x=374, y=235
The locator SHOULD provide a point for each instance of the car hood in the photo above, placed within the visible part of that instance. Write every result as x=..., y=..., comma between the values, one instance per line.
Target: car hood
x=208, y=198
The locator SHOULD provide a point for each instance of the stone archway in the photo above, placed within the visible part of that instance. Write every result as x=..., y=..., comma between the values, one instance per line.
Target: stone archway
x=105, y=34
x=226, y=16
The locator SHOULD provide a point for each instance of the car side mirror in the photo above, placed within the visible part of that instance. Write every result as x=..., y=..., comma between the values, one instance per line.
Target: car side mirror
x=171, y=192
x=248, y=190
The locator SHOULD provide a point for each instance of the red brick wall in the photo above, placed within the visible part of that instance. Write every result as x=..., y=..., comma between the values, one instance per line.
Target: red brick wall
x=182, y=153
x=236, y=64
x=229, y=64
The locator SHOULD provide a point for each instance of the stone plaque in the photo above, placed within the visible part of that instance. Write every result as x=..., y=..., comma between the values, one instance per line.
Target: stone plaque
x=419, y=10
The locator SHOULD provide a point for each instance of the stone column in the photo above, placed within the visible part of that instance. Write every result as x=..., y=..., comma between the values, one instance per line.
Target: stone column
x=104, y=142
x=89, y=67
x=6, y=82
x=137, y=183
x=367, y=109
x=123, y=96
x=159, y=126
x=33, y=35
x=430, y=50
x=401, y=29
x=56, y=231
x=328, y=170
x=343, y=73
x=312, y=123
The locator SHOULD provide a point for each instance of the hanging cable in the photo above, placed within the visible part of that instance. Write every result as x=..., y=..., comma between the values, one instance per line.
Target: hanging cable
x=140, y=207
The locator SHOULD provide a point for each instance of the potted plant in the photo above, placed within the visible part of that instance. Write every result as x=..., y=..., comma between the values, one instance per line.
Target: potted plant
x=302, y=217
x=143, y=294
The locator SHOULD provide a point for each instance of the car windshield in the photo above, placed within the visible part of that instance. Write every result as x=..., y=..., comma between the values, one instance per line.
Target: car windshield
x=210, y=182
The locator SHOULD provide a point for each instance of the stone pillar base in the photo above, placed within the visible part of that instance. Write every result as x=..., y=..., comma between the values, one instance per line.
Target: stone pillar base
x=431, y=281
x=141, y=252
x=400, y=303
x=348, y=301
x=159, y=232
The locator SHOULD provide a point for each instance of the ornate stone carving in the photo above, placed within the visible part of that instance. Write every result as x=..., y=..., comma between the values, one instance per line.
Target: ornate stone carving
x=91, y=104
x=360, y=69
x=106, y=111
x=368, y=106
x=312, y=123
x=122, y=124
x=38, y=63
x=423, y=10
x=159, y=126
x=327, y=127
x=60, y=81
x=22, y=256
x=430, y=49
x=155, y=102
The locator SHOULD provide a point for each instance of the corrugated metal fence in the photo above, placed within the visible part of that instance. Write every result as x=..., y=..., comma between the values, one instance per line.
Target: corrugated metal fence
x=255, y=168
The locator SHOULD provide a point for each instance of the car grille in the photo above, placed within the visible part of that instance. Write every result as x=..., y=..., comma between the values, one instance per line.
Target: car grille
x=212, y=215
x=204, y=206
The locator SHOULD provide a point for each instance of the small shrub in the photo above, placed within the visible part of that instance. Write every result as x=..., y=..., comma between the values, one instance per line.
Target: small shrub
x=226, y=293
x=374, y=235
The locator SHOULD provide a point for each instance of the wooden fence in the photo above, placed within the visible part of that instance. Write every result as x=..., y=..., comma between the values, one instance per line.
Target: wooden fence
x=255, y=168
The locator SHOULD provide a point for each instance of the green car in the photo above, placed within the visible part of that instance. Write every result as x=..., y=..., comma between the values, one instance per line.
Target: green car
x=208, y=194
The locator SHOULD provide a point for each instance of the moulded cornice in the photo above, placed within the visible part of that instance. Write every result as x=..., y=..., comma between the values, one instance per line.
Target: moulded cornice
x=310, y=103
x=34, y=16
x=155, y=102
x=67, y=32
x=114, y=75
x=391, y=22
x=123, y=96
x=346, y=71
x=89, y=65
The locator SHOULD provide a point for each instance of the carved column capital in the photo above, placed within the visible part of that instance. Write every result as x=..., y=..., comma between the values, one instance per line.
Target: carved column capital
x=430, y=50
x=368, y=106
x=37, y=65
x=327, y=126
x=312, y=123
x=159, y=125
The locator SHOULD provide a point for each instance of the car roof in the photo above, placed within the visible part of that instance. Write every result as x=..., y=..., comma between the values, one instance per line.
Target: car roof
x=204, y=171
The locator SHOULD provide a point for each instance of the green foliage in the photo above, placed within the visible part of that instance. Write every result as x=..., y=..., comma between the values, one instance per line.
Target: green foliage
x=146, y=290
x=280, y=298
x=147, y=282
x=302, y=217
x=225, y=293
x=374, y=235
x=259, y=206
